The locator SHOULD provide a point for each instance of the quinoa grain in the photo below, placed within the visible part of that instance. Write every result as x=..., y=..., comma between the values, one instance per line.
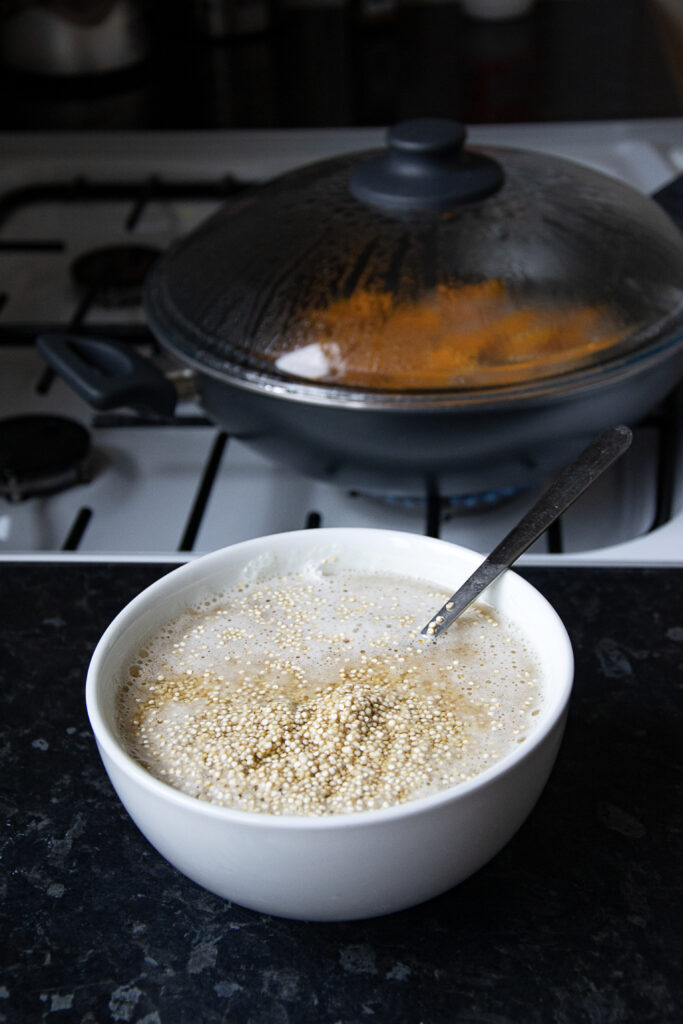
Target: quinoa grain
x=263, y=700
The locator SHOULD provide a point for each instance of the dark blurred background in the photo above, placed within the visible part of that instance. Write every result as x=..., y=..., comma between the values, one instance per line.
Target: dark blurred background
x=75, y=64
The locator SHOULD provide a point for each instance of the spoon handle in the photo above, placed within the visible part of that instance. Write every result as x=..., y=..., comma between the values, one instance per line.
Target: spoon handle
x=563, y=492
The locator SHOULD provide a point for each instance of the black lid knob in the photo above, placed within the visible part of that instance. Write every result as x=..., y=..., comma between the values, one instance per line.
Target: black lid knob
x=426, y=167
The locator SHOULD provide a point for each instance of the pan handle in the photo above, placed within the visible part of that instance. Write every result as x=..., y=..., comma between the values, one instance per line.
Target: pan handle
x=108, y=374
x=670, y=198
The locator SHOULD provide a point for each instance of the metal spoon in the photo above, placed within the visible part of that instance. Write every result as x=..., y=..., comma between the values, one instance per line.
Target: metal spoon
x=563, y=492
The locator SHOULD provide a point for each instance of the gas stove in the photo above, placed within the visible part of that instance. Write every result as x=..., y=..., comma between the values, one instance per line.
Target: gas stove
x=82, y=216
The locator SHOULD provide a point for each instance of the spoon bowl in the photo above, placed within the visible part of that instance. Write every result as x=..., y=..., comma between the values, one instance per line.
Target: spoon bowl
x=338, y=866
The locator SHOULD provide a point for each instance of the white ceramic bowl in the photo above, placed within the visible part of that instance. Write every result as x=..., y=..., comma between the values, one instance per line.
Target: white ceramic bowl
x=341, y=866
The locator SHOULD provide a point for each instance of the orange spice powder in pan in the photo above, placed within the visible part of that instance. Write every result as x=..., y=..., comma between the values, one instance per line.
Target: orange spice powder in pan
x=469, y=336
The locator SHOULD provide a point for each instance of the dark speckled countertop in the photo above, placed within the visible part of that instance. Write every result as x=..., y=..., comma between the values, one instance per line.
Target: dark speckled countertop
x=577, y=919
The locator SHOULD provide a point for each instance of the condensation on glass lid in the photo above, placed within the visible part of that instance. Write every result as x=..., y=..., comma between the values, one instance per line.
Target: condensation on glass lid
x=475, y=335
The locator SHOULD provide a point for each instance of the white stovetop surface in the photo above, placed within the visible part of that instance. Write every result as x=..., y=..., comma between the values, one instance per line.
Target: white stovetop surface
x=646, y=153
x=142, y=500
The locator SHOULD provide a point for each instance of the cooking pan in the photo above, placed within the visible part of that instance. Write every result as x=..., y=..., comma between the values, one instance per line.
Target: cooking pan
x=252, y=299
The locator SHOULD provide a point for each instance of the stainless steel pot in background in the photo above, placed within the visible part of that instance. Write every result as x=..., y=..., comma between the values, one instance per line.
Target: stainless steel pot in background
x=68, y=37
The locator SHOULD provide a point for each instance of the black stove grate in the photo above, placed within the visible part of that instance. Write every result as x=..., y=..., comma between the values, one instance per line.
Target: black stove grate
x=433, y=508
x=137, y=195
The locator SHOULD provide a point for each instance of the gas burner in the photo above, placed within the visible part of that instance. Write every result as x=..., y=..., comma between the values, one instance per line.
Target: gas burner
x=453, y=505
x=472, y=504
x=40, y=455
x=114, y=275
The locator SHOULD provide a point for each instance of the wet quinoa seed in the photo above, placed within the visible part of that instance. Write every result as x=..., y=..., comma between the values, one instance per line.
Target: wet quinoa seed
x=305, y=694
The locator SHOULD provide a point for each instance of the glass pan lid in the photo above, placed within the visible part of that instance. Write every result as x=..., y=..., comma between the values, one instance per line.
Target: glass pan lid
x=558, y=268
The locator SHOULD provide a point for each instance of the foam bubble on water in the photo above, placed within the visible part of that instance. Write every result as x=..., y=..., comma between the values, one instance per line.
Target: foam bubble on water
x=284, y=646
